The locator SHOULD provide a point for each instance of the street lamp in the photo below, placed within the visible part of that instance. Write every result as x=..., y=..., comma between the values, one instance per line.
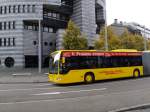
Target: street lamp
x=145, y=43
x=39, y=48
x=106, y=39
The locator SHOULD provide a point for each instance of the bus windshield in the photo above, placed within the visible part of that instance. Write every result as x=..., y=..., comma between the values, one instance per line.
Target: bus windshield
x=54, y=63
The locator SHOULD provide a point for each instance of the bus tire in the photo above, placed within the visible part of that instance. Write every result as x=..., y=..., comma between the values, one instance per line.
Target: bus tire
x=136, y=73
x=89, y=78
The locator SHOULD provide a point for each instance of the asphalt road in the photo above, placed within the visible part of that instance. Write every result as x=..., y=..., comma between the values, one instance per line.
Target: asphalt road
x=103, y=96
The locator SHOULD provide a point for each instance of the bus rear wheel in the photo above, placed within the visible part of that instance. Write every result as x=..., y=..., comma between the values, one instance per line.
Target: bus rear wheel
x=136, y=73
x=89, y=78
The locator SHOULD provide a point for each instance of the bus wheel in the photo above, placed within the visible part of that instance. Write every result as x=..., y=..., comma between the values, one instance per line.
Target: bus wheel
x=136, y=73
x=89, y=78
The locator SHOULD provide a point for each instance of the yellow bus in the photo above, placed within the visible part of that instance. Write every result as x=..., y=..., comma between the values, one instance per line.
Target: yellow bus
x=72, y=66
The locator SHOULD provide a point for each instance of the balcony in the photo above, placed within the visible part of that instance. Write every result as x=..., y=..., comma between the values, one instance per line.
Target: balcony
x=65, y=7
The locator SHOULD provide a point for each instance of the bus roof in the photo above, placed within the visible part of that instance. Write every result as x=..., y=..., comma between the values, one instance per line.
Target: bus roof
x=69, y=53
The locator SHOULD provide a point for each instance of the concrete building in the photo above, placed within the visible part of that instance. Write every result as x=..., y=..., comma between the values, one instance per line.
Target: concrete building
x=19, y=27
x=135, y=28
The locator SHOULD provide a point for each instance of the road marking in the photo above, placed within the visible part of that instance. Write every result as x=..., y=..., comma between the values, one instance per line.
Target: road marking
x=22, y=74
x=40, y=85
x=54, y=93
x=46, y=73
x=7, y=90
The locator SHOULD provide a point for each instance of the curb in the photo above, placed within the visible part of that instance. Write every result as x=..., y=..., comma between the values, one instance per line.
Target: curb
x=132, y=108
x=13, y=79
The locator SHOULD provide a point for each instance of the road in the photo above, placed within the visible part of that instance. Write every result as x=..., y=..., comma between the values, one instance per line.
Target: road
x=103, y=96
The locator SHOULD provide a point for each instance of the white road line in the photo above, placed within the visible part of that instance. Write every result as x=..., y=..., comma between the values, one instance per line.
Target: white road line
x=53, y=93
x=46, y=73
x=21, y=74
x=7, y=90
x=40, y=85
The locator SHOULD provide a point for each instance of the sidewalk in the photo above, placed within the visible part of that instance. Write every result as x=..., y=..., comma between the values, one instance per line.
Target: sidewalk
x=22, y=75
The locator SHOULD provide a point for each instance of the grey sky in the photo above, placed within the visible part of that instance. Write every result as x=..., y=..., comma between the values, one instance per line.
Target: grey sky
x=129, y=11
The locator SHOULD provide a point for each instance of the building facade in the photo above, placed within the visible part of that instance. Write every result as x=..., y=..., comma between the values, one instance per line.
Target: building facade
x=134, y=28
x=19, y=27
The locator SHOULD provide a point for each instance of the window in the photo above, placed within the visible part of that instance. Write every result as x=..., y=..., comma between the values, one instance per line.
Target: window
x=45, y=43
x=4, y=41
x=0, y=25
x=45, y=29
x=34, y=42
x=14, y=24
x=1, y=10
x=4, y=25
x=18, y=8
x=33, y=8
x=14, y=44
x=5, y=9
x=0, y=42
x=23, y=9
x=9, y=9
x=50, y=30
x=50, y=44
x=14, y=9
x=9, y=44
x=28, y=8
x=9, y=25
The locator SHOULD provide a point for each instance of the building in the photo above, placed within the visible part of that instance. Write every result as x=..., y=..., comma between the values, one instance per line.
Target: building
x=22, y=20
x=134, y=28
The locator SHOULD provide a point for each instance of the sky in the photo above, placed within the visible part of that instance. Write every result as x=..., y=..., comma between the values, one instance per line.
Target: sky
x=129, y=11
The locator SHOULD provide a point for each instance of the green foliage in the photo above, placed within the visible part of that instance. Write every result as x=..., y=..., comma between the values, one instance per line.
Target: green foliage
x=125, y=41
x=73, y=39
x=113, y=40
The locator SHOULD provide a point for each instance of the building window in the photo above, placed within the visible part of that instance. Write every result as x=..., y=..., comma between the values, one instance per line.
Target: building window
x=50, y=44
x=5, y=9
x=33, y=8
x=14, y=9
x=28, y=8
x=18, y=8
x=45, y=43
x=34, y=42
x=23, y=8
x=14, y=44
x=1, y=10
x=4, y=25
x=0, y=42
x=0, y=25
x=14, y=25
x=4, y=41
x=9, y=43
x=9, y=9
x=9, y=25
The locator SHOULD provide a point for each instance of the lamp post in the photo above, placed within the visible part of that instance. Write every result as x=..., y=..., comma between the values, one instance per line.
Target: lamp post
x=39, y=48
x=106, y=35
x=145, y=43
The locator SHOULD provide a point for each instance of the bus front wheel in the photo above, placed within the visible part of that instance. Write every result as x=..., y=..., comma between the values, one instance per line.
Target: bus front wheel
x=89, y=78
x=136, y=73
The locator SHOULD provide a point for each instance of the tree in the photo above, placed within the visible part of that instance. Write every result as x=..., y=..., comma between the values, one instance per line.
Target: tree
x=73, y=39
x=113, y=40
x=132, y=41
x=148, y=44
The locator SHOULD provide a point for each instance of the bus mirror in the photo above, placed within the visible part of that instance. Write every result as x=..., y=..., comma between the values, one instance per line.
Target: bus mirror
x=63, y=59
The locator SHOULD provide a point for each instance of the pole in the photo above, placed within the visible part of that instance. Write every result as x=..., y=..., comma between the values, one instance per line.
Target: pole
x=145, y=43
x=39, y=49
x=106, y=39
